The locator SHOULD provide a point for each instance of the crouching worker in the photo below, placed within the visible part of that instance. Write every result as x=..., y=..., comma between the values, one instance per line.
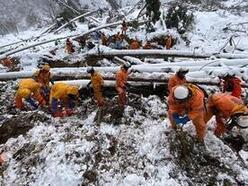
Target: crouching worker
x=97, y=84
x=29, y=90
x=63, y=98
x=186, y=102
x=224, y=106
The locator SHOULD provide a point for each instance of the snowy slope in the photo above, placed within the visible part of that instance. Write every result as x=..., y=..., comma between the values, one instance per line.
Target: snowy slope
x=139, y=148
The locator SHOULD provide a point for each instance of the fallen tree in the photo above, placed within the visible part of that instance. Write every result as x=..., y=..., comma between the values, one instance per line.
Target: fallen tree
x=62, y=38
x=73, y=20
x=162, y=53
x=135, y=77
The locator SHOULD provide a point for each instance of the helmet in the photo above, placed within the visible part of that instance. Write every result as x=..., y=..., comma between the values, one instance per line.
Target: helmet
x=46, y=67
x=242, y=121
x=126, y=66
x=183, y=70
x=181, y=92
x=25, y=93
x=90, y=70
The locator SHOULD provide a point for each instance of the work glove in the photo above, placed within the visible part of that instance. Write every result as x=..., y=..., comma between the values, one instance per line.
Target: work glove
x=58, y=114
x=32, y=103
x=180, y=119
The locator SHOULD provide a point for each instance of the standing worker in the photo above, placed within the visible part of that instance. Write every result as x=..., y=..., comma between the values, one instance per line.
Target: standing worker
x=124, y=27
x=121, y=83
x=186, y=102
x=178, y=78
x=63, y=96
x=29, y=90
x=69, y=47
x=97, y=84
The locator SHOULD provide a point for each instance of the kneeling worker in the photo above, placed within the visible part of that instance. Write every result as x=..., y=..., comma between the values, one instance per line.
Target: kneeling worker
x=29, y=90
x=63, y=95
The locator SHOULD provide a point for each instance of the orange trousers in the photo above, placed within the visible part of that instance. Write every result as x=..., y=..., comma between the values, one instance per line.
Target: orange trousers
x=98, y=96
x=20, y=105
x=198, y=122
x=122, y=99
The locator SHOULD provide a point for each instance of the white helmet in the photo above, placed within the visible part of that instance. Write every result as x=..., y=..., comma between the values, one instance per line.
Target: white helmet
x=181, y=92
x=243, y=121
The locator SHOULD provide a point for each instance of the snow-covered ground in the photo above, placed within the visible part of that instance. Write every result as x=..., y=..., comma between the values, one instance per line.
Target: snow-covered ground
x=139, y=148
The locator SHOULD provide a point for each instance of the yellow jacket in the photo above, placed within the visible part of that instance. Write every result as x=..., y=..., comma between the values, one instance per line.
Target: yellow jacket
x=60, y=91
x=97, y=80
x=28, y=84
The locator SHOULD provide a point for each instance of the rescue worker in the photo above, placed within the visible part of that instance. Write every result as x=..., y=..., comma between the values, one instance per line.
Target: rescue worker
x=97, y=84
x=134, y=44
x=147, y=45
x=118, y=41
x=186, y=102
x=104, y=39
x=29, y=90
x=43, y=76
x=124, y=27
x=121, y=84
x=168, y=42
x=7, y=62
x=232, y=84
x=63, y=96
x=69, y=46
x=178, y=78
x=224, y=106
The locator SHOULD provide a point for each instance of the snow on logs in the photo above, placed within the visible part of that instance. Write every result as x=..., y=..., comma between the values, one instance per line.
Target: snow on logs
x=162, y=53
x=161, y=78
x=61, y=38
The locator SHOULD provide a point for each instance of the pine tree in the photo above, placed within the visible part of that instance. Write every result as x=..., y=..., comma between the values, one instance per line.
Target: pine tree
x=178, y=17
x=152, y=12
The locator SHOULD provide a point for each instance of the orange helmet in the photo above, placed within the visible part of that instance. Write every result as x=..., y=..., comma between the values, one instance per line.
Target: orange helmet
x=25, y=93
x=46, y=67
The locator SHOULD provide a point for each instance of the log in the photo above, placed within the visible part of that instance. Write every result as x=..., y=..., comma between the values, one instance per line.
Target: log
x=162, y=53
x=73, y=20
x=62, y=38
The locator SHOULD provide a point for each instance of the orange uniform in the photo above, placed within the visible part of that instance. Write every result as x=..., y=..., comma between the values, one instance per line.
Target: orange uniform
x=7, y=62
x=174, y=81
x=193, y=107
x=104, y=40
x=43, y=77
x=168, y=42
x=28, y=88
x=121, y=80
x=235, y=84
x=223, y=106
x=147, y=46
x=97, y=84
x=69, y=47
x=134, y=45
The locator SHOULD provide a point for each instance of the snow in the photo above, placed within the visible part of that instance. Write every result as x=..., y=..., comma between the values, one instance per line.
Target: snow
x=60, y=151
